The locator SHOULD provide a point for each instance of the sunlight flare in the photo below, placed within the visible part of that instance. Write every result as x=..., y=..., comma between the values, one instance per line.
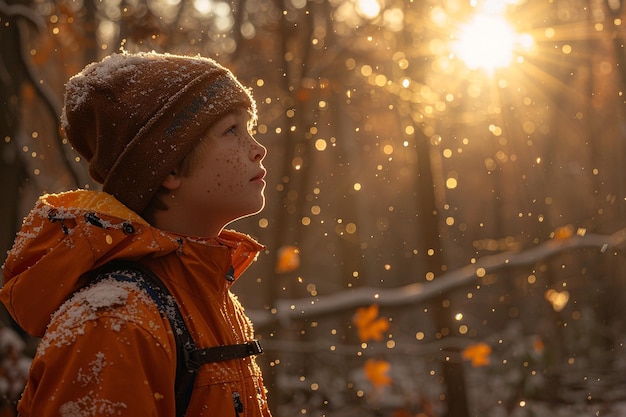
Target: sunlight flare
x=368, y=8
x=489, y=42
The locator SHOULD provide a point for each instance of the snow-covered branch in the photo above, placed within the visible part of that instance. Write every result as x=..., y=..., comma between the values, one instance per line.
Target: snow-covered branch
x=286, y=309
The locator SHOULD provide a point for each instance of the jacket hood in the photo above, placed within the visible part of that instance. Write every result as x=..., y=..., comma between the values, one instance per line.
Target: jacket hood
x=69, y=234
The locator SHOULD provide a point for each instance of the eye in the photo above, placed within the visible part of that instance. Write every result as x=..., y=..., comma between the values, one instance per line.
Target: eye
x=232, y=130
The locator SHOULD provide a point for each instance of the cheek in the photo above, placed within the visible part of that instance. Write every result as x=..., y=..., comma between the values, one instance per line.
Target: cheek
x=230, y=172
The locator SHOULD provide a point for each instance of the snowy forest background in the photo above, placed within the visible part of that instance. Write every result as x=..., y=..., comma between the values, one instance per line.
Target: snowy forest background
x=445, y=238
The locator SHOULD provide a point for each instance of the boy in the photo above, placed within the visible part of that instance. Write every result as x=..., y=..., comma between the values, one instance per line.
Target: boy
x=169, y=138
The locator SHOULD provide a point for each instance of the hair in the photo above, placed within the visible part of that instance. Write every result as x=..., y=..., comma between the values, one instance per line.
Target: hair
x=186, y=167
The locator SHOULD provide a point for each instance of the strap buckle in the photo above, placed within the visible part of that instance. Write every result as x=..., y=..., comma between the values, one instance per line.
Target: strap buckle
x=190, y=359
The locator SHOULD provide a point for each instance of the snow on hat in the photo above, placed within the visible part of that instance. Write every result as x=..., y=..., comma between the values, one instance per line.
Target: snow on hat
x=135, y=117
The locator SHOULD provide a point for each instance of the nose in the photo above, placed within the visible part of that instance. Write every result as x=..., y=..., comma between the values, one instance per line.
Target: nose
x=257, y=151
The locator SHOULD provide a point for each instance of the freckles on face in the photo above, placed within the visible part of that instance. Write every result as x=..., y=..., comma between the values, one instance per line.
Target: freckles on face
x=229, y=169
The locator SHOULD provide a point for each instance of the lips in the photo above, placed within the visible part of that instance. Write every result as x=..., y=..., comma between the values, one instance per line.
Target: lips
x=259, y=176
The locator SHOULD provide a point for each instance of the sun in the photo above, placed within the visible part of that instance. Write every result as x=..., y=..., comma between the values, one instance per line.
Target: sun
x=489, y=42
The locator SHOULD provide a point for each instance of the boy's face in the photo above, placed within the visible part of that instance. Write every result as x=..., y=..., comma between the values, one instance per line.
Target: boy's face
x=227, y=182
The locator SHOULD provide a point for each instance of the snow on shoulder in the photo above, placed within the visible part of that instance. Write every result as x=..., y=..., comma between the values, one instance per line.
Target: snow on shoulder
x=107, y=298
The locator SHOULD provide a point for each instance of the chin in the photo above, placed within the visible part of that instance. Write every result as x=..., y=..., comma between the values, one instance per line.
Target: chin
x=259, y=208
x=251, y=212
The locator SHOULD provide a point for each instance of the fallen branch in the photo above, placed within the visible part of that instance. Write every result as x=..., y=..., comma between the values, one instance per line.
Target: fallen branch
x=287, y=310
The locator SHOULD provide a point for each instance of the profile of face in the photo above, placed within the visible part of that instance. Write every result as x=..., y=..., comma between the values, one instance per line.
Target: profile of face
x=227, y=179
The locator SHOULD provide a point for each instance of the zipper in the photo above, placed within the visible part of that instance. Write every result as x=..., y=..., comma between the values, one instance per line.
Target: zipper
x=228, y=308
x=238, y=404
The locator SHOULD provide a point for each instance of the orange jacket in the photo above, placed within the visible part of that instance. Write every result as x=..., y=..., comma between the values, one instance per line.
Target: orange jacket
x=106, y=350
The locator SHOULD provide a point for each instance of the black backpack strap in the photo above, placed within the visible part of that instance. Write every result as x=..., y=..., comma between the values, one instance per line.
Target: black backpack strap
x=224, y=353
x=148, y=281
x=189, y=358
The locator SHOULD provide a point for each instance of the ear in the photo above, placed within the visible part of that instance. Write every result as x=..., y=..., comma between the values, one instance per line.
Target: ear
x=172, y=181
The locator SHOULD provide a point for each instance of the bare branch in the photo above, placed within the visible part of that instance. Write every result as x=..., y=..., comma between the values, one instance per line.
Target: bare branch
x=287, y=310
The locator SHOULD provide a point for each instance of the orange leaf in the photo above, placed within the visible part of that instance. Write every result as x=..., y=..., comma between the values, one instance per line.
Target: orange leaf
x=538, y=345
x=288, y=259
x=376, y=372
x=564, y=232
x=303, y=94
x=368, y=325
x=478, y=354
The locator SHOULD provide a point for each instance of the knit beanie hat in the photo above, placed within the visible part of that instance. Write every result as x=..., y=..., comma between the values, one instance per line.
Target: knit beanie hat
x=134, y=117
